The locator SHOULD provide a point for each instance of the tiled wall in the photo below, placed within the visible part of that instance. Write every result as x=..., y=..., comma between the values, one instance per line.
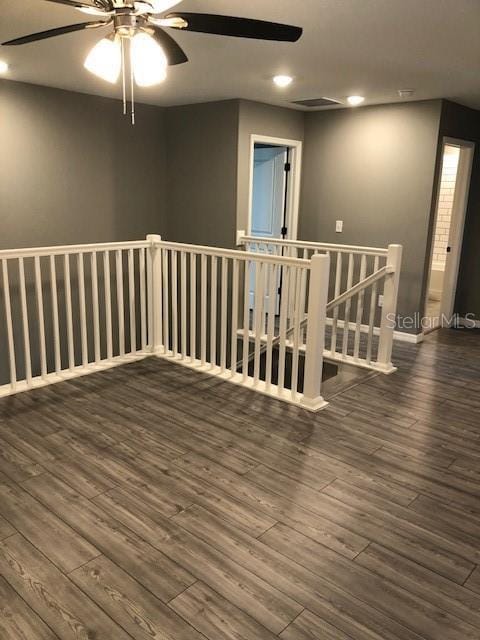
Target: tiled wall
x=445, y=204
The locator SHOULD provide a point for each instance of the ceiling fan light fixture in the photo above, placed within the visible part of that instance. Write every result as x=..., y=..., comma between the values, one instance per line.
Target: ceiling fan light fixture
x=92, y=11
x=159, y=6
x=148, y=60
x=105, y=59
x=3, y=67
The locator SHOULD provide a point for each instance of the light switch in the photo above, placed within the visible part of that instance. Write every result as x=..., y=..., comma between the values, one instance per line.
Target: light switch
x=339, y=226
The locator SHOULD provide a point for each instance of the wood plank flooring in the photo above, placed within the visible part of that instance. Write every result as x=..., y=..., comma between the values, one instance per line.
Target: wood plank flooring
x=152, y=502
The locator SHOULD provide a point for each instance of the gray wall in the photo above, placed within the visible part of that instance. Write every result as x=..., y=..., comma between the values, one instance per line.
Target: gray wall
x=373, y=168
x=464, y=123
x=73, y=170
x=202, y=173
x=255, y=117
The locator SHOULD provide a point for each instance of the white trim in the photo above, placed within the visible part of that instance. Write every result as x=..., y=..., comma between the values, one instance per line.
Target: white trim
x=476, y=323
x=462, y=189
x=260, y=386
x=52, y=378
x=293, y=206
x=459, y=210
x=71, y=249
x=401, y=336
x=243, y=238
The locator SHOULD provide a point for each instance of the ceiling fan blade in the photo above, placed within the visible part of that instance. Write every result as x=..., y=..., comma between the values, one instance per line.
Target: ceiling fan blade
x=175, y=54
x=238, y=27
x=98, y=7
x=59, y=31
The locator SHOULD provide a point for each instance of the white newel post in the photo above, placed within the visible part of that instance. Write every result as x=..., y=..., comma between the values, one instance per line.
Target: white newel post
x=155, y=293
x=389, y=307
x=315, y=343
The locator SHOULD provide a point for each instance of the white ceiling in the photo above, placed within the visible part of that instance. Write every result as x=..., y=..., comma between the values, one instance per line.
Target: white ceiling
x=367, y=47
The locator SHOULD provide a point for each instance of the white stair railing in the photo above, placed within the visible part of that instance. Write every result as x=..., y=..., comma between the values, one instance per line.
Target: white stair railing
x=360, y=277
x=71, y=310
x=208, y=322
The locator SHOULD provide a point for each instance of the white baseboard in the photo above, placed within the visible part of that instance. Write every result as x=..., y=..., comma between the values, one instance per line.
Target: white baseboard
x=401, y=336
x=67, y=374
x=475, y=323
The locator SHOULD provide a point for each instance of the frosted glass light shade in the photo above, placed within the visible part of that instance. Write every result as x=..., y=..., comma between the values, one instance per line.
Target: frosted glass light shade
x=105, y=59
x=159, y=6
x=148, y=60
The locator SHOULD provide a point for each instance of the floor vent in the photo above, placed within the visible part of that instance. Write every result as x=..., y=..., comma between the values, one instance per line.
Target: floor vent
x=316, y=102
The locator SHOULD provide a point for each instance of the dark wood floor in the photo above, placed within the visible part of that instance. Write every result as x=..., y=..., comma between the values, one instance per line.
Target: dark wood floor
x=153, y=502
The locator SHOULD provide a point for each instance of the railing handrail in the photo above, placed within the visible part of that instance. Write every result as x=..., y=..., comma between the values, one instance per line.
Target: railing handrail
x=32, y=252
x=235, y=253
x=360, y=286
x=304, y=244
x=69, y=249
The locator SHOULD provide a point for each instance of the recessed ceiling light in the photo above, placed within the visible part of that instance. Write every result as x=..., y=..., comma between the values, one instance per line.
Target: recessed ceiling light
x=354, y=101
x=3, y=66
x=283, y=81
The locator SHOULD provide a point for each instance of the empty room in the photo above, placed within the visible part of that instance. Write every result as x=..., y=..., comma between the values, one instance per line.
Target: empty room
x=239, y=320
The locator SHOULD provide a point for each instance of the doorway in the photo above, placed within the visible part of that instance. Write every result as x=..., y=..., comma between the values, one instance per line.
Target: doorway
x=275, y=173
x=275, y=166
x=454, y=187
x=270, y=190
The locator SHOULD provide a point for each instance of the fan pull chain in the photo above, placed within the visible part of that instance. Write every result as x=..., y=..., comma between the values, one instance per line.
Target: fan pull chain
x=124, y=88
x=132, y=86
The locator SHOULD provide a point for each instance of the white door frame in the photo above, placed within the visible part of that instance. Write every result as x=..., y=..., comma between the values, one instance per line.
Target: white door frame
x=293, y=204
x=457, y=225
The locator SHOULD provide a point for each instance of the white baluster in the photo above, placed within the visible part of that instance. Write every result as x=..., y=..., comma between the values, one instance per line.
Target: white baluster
x=213, y=312
x=338, y=280
x=235, y=300
x=203, y=309
x=56, y=328
x=120, y=302
x=68, y=306
x=143, y=309
x=360, y=300
x=174, y=286
x=183, y=302
x=246, y=319
x=193, y=306
x=166, y=302
x=96, y=316
x=223, y=316
x=258, y=317
x=108, y=303
x=132, y=302
x=25, y=325
x=41, y=317
x=272, y=294
x=8, y=319
x=298, y=315
x=348, y=304
x=371, y=316
x=284, y=315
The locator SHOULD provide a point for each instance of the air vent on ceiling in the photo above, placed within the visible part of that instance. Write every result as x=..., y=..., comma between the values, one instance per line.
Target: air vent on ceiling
x=316, y=102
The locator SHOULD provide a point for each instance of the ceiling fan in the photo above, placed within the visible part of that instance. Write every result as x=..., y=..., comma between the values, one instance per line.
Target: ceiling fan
x=141, y=24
